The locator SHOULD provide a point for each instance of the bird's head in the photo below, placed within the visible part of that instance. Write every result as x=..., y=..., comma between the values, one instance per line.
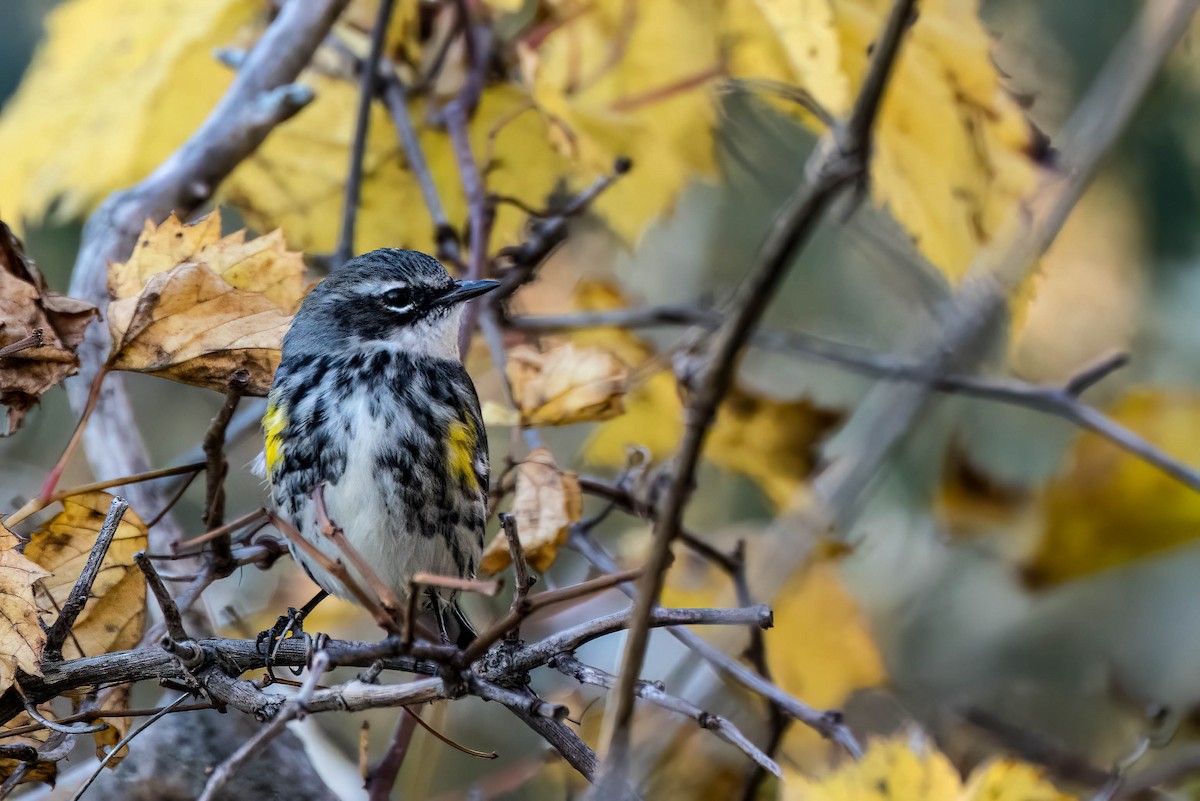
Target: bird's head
x=401, y=300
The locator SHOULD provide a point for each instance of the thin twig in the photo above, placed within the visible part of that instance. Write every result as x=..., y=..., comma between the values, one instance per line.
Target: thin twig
x=828, y=723
x=293, y=708
x=332, y=532
x=57, y=635
x=568, y=665
x=338, y=570
x=528, y=605
x=125, y=741
x=34, y=340
x=170, y=612
x=395, y=97
x=522, y=581
x=381, y=779
x=367, y=81
x=840, y=161
x=215, y=472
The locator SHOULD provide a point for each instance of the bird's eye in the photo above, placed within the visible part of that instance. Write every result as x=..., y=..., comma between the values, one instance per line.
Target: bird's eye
x=398, y=298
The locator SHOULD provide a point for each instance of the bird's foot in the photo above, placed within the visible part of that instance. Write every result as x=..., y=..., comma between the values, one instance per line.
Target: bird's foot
x=292, y=624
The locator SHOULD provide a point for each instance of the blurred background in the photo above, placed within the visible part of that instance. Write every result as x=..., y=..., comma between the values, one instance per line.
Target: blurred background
x=1006, y=575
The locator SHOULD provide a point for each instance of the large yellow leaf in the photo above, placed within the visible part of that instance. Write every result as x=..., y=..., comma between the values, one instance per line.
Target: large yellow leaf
x=193, y=307
x=21, y=634
x=954, y=155
x=296, y=180
x=117, y=87
x=546, y=502
x=899, y=769
x=115, y=615
x=625, y=79
x=27, y=305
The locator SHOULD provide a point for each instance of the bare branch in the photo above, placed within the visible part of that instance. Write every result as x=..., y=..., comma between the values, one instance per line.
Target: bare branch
x=367, y=82
x=170, y=612
x=294, y=708
x=57, y=635
x=216, y=469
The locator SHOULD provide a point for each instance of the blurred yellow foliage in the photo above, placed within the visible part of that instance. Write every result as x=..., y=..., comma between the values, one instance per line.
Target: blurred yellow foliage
x=1110, y=508
x=953, y=155
x=118, y=85
x=907, y=769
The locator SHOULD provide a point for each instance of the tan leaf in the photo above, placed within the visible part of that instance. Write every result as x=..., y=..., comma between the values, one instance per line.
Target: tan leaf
x=547, y=501
x=26, y=305
x=118, y=697
x=194, y=307
x=568, y=384
x=21, y=634
x=38, y=771
x=115, y=615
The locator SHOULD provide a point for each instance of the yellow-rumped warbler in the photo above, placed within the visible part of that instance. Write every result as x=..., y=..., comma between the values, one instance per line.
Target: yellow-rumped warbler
x=371, y=399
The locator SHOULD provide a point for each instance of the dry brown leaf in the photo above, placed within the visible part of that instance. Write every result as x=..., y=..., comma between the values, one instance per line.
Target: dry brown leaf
x=21, y=634
x=118, y=697
x=568, y=384
x=38, y=771
x=115, y=615
x=26, y=305
x=194, y=307
x=547, y=501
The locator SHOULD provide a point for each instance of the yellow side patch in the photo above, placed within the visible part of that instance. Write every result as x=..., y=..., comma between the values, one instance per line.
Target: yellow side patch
x=460, y=446
x=273, y=423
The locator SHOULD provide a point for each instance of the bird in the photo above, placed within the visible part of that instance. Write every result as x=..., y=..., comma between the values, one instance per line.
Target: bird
x=371, y=402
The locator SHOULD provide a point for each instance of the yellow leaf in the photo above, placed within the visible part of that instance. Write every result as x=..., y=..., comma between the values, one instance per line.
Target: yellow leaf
x=566, y=385
x=117, y=87
x=891, y=770
x=899, y=769
x=632, y=80
x=38, y=771
x=296, y=180
x=1109, y=507
x=21, y=634
x=193, y=307
x=546, y=502
x=114, y=616
x=28, y=305
x=953, y=154
x=1006, y=780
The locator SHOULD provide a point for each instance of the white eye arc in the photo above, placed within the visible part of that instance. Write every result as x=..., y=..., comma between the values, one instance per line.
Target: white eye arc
x=401, y=309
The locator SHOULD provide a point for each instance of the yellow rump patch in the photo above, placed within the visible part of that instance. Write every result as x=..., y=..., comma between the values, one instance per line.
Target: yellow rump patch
x=274, y=422
x=460, y=446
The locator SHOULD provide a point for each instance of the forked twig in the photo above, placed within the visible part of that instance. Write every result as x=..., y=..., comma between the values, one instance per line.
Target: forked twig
x=57, y=635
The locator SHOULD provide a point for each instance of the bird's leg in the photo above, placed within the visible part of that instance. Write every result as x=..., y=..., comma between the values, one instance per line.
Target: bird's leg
x=292, y=623
x=439, y=614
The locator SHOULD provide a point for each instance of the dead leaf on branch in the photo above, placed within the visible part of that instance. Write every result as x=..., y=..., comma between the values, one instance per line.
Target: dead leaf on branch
x=546, y=502
x=28, y=305
x=21, y=634
x=114, y=616
x=567, y=384
x=194, y=307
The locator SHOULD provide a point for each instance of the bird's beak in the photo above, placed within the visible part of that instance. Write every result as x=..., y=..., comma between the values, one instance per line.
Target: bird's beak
x=465, y=290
